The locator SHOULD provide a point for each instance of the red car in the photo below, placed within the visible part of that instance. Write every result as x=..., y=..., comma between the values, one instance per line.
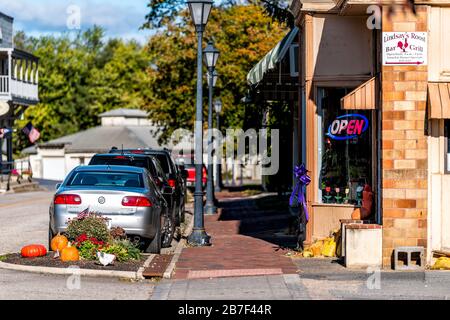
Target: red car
x=190, y=181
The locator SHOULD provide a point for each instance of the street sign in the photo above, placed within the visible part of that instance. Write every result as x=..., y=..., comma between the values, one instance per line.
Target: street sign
x=405, y=48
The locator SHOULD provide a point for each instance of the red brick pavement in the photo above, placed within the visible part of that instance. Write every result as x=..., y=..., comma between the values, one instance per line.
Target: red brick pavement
x=232, y=254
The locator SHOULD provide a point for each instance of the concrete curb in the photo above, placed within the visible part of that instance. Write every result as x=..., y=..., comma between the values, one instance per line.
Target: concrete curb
x=181, y=245
x=77, y=271
x=67, y=271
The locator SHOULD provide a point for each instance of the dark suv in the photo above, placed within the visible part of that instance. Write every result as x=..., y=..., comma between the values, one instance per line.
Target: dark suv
x=157, y=174
x=176, y=177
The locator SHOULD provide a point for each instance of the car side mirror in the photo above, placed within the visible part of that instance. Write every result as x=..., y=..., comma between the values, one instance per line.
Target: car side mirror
x=167, y=190
x=58, y=185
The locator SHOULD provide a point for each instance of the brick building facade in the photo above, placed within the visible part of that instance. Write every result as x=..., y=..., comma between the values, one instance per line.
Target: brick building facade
x=404, y=154
x=404, y=143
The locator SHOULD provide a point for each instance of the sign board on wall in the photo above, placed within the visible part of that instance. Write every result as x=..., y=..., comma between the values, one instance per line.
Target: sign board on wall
x=405, y=48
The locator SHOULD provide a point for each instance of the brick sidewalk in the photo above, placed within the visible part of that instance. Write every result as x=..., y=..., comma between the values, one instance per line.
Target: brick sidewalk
x=232, y=254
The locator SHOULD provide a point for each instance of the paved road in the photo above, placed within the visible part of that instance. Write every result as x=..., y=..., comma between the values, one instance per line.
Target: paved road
x=24, y=220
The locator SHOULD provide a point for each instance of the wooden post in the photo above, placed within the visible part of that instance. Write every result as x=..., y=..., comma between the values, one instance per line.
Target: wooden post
x=310, y=122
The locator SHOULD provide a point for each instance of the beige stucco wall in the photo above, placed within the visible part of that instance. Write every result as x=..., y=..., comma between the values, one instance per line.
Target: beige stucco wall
x=439, y=190
x=439, y=182
x=439, y=44
x=347, y=40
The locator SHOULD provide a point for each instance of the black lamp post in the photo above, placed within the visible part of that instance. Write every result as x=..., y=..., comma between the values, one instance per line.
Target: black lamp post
x=200, y=10
x=211, y=56
x=218, y=109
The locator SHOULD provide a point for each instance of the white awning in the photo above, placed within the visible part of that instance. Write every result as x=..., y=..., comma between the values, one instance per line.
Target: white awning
x=271, y=59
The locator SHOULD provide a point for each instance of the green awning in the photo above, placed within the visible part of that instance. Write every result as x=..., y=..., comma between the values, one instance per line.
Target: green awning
x=271, y=59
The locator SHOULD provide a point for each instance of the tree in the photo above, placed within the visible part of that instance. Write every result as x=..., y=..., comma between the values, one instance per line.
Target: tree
x=79, y=77
x=161, y=11
x=242, y=33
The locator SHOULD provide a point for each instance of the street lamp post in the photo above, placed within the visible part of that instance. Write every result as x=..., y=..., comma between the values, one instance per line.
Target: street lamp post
x=211, y=56
x=218, y=109
x=200, y=10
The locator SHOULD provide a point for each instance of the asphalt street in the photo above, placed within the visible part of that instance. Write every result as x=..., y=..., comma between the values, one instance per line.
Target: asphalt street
x=24, y=220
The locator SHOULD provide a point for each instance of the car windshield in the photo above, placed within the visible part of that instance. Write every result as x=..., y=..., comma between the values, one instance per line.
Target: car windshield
x=119, y=161
x=106, y=179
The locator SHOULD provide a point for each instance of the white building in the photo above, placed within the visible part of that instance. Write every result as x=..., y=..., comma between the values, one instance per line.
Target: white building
x=19, y=77
x=129, y=128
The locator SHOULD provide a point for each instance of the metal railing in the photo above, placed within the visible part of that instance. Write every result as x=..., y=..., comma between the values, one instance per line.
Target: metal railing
x=4, y=85
x=17, y=88
x=24, y=89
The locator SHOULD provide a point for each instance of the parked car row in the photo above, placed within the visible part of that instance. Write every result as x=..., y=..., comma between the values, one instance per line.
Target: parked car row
x=142, y=191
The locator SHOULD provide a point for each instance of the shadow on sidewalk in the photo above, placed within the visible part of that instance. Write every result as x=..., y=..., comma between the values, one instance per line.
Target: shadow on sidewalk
x=266, y=218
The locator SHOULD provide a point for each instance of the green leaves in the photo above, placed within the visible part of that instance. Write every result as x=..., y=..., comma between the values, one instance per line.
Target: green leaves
x=84, y=75
x=242, y=33
x=79, y=77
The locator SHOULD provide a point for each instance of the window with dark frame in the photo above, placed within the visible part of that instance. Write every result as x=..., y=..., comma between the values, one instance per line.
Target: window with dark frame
x=345, y=165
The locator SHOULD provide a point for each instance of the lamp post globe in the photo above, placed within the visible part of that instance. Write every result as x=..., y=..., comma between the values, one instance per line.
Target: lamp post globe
x=218, y=109
x=215, y=76
x=200, y=10
x=211, y=56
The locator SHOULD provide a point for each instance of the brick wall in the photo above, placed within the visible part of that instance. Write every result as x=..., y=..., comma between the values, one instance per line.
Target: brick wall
x=404, y=144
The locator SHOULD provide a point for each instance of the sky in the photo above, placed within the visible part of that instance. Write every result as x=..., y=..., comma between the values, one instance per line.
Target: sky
x=119, y=18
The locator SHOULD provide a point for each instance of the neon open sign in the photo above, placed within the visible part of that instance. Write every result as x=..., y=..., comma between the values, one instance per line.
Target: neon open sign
x=348, y=126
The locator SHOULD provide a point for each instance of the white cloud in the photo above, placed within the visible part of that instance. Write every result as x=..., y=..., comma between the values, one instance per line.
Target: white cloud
x=119, y=18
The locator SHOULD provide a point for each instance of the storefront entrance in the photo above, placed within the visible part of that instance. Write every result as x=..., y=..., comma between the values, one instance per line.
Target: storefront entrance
x=344, y=159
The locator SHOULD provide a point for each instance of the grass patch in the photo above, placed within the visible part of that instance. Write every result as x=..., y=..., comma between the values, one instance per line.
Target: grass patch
x=4, y=258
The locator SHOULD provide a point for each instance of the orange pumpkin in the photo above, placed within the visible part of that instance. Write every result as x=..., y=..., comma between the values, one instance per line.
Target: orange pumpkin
x=33, y=251
x=69, y=254
x=59, y=242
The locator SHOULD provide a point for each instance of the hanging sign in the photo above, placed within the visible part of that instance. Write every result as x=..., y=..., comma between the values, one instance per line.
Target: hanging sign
x=348, y=126
x=405, y=48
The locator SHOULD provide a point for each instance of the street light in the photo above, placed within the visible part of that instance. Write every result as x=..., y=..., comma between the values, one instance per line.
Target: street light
x=218, y=109
x=211, y=57
x=200, y=10
x=215, y=77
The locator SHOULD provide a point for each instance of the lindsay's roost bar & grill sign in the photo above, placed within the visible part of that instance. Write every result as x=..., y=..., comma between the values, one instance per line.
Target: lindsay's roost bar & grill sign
x=404, y=48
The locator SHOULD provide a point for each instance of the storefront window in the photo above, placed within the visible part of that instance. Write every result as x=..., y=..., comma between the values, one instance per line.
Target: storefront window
x=345, y=149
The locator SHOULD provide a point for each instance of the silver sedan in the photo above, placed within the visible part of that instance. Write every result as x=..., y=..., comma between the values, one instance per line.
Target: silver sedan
x=127, y=196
